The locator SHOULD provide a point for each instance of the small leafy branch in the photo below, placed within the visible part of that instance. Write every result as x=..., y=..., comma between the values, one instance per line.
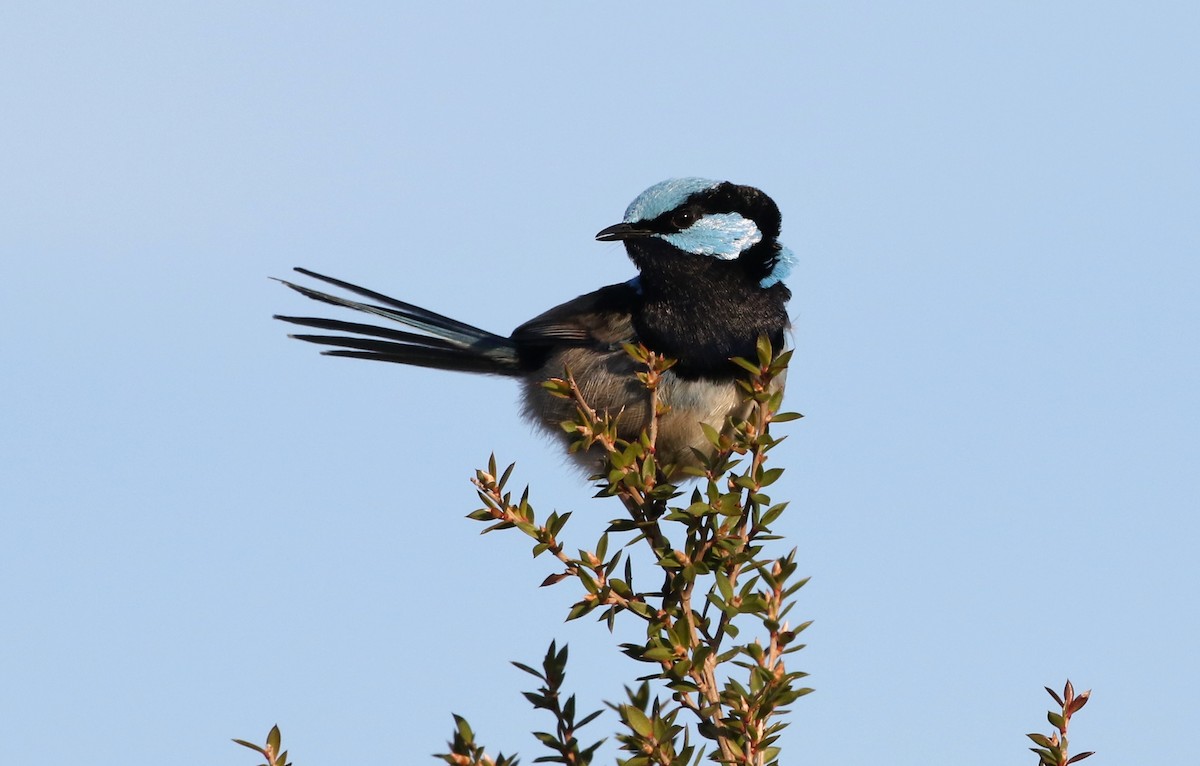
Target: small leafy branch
x=548, y=697
x=464, y=751
x=707, y=689
x=270, y=750
x=718, y=579
x=1052, y=750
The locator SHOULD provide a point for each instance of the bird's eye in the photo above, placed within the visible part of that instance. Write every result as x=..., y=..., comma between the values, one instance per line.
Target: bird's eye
x=684, y=218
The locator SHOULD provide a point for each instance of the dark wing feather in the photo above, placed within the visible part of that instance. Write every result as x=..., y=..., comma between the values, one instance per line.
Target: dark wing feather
x=600, y=318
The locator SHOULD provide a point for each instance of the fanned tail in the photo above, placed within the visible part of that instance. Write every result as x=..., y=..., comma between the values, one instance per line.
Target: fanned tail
x=443, y=343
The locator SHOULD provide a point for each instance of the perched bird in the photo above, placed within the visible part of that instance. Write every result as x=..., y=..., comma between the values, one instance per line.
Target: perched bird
x=709, y=284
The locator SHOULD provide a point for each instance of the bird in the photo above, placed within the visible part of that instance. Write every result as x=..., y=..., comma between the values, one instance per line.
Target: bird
x=710, y=283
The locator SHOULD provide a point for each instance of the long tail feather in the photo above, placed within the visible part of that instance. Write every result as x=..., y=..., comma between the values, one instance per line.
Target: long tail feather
x=443, y=343
x=368, y=329
x=406, y=313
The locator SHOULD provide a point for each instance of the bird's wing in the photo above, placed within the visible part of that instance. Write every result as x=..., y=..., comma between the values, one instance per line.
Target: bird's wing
x=603, y=317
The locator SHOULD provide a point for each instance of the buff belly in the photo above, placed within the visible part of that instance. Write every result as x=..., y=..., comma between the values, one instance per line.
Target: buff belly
x=608, y=384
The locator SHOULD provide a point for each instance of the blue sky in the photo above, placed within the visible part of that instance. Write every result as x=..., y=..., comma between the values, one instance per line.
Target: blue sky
x=207, y=529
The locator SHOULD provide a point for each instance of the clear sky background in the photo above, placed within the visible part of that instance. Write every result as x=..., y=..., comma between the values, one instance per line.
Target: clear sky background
x=207, y=528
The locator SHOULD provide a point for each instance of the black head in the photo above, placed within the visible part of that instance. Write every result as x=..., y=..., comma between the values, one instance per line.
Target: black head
x=711, y=271
x=689, y=218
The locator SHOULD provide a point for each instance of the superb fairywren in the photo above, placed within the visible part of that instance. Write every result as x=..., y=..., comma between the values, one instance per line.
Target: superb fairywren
x=710, y=283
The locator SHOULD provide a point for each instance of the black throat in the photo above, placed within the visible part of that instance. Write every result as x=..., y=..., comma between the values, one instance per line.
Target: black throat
x=703, y=311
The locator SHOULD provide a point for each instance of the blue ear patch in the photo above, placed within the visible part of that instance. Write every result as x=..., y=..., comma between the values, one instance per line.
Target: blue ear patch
x=784, y=263
x=664, y=196
x=722, y=235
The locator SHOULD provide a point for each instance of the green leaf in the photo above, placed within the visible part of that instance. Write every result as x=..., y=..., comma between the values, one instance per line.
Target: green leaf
x=711, y=434
x=659, y=654
x=641, y=609
x=580, y=609
x=733, y=745
x=620, y=587
x=588, y=719
x=784, y=417
x=750, y=367
x=637, y=720
x=723, y=584
x=764, y=351
x=538, y=701
x=251, y=745
x=464, y=729
x=770, y=476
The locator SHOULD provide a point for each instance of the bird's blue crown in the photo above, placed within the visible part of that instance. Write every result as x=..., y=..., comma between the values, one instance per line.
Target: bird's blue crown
x=665, y=196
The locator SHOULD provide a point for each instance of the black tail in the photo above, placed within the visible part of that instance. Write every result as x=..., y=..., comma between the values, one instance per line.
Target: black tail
x=449, y=344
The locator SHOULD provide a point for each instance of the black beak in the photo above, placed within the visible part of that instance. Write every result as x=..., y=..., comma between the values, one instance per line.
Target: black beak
x=622, y=231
